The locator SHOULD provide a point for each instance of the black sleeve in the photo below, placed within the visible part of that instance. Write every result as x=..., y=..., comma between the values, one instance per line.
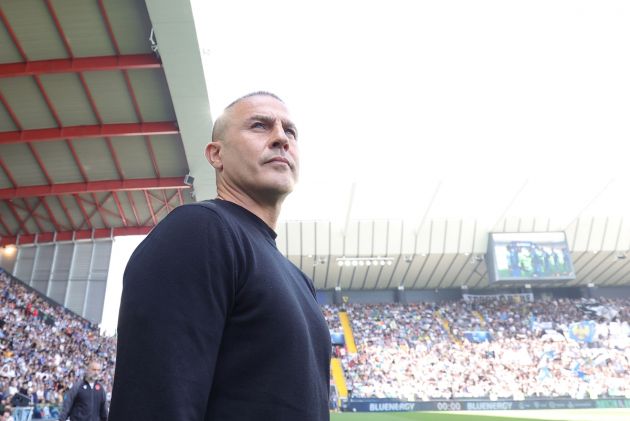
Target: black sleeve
x=103, y=406
x=178, y=287
x=68, y=401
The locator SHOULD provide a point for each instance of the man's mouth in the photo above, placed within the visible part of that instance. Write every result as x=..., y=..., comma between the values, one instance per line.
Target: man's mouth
x=280, y=159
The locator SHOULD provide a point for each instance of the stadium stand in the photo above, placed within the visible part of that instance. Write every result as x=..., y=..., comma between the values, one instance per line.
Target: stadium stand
x=490, y=346
x=44, y=348
x=504, y=347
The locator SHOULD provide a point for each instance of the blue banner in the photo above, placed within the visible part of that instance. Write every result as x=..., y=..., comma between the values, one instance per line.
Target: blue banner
x=478, y=336
x=582, y=331
x=337, y=338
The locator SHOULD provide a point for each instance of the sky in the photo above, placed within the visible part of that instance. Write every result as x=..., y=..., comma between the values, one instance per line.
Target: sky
x=388, y=95
x=122, y=248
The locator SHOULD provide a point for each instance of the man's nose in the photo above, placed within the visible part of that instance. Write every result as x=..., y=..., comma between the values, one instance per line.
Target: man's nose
x=279, y=136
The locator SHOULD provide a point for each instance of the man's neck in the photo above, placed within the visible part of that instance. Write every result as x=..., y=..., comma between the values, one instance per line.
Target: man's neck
x=268, y=211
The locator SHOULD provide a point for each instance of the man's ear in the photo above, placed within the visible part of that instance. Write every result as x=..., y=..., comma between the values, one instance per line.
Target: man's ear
x=213, y=155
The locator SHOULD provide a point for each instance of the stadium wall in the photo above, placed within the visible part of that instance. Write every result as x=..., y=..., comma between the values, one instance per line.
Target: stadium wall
x=607, y=292
x=72, y=274
x=439, y=295
x=13, y=279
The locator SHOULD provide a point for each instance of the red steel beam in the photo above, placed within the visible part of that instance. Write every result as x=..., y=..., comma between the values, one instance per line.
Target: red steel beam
x=4, y=225
x=86, y=218
x=17, y=217
x=108, y=25
x=88, y=132
x=162, y=204
x=114, y=156
x=39, y=161
x=90, y=98
x=14, y=118
x=62, y=34
x=99, y=208
x=55, y=115
x=154, y=197
x=150, y=205
x=6, y=105
x=132, y=94
x=7, y=172
x=134, y=99
x=136, y=107
x=80, y=64
x=65, y=211
x=123, y=219
x=48, y=237
x=163, y=207
x=99, y=120
x=94, y=187
x=49, y=104
x=149, y=144
x=51, y=215
x=168, y=207
x=133, y=207
x=77, y=161
x=16, y=122
x=14, y=38
x=166, y=201
x=32, y=215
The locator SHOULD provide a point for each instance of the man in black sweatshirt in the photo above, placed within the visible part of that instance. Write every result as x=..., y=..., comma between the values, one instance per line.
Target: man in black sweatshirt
x=86, y=400
x=215, y=323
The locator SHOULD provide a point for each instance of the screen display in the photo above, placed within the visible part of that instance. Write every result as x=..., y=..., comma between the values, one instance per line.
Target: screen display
x=529, y=256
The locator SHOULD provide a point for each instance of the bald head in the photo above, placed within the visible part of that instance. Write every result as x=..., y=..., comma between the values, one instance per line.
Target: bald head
x=93, y=370
x=221, y=124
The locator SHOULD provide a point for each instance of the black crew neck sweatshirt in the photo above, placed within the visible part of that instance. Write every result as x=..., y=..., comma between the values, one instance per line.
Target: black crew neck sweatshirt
x=216, y=324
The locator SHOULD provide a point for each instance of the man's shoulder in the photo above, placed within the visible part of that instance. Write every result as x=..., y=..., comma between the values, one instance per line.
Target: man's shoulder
x=201, y=212
x=208, y=209
x=224, y=209
x=205, y=207
x=196, y=225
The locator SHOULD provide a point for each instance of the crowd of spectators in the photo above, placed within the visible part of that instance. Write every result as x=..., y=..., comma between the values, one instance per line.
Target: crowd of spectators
x=498, y=347
x=494, y=348
x=44, y=349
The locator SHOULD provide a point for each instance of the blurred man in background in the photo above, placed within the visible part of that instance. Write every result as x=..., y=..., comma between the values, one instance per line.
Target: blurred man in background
x=85, y=401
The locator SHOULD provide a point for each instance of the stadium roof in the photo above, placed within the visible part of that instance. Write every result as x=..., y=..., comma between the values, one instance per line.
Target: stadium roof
x=101, y=118
x=90, y=142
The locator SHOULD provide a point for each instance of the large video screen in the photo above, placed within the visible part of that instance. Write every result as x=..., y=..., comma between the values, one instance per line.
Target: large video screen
x=529, y=256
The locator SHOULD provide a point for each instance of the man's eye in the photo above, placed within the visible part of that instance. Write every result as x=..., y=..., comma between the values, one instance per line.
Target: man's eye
x=291, y=133
x=258, y=125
